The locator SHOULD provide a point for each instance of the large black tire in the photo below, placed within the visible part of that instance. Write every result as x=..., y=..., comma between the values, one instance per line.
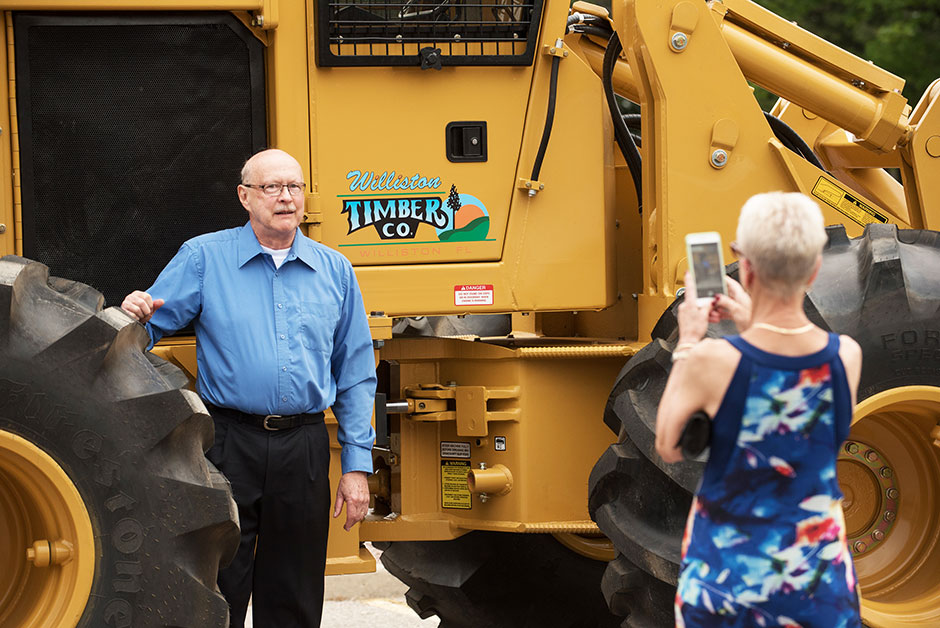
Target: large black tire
x=76, y=383
x=881, y=289
x=500, y=580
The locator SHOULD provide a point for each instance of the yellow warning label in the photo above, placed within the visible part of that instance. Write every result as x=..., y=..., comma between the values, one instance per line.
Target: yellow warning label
x=834, y=196
x=454, y=490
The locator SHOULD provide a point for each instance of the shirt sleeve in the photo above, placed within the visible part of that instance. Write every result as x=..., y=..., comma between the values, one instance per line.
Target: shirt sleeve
x=353, y=368
x=180, y=286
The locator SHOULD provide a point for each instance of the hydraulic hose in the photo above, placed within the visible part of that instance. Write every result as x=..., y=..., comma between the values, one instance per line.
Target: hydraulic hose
x=549, y=119
x=624, y=140
x=785, y=133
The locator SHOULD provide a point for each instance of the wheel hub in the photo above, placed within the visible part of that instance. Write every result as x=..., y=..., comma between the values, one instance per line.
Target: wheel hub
x=889, y=471
x=47, y=545
x=871, y=495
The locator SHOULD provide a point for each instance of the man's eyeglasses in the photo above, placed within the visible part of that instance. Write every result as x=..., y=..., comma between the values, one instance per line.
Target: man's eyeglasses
x=275, y=189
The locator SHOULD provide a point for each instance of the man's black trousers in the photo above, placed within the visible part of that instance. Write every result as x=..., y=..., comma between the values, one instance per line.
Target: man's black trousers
x=280, y=480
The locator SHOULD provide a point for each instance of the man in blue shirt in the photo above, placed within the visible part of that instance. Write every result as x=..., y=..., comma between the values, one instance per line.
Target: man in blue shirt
x=281, y=335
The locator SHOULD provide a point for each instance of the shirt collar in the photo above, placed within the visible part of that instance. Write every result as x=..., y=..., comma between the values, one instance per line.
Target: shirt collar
x=249, y=247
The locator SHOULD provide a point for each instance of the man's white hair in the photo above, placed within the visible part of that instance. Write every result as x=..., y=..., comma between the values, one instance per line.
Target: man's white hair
x=781, y=234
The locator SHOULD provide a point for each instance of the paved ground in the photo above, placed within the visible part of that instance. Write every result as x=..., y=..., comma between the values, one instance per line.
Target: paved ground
x=375, y=599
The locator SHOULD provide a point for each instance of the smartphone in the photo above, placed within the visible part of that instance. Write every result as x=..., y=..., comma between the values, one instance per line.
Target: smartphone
x=706, y=264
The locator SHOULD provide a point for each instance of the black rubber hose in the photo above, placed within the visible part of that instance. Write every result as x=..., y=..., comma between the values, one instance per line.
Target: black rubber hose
x=549, y=119
x=632, y=120
x=582, y=20
x=785, y=133
x=603, y=33
x=624, y=140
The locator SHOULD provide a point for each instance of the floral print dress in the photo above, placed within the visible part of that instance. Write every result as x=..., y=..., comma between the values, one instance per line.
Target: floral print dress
x=765, y=540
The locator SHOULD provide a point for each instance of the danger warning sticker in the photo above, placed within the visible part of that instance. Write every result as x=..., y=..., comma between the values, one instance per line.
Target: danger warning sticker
x=857, y=210
x=454, y=490
x=473, y=294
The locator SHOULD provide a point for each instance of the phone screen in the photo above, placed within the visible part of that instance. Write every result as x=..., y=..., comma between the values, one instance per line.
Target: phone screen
x=707, y=268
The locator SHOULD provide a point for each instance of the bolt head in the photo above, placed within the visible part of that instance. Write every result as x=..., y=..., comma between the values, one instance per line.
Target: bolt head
x=892, y=493
x=871, y=455
x=889, y=515
x=859, y=547
x=719, y=158
x=886, y=472
x=878, y=535
x=852, y=448
x=679, y=41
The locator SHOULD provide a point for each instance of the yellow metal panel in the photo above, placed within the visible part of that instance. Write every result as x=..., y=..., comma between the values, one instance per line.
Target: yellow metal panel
x=132, y=5
x=288, y=102
x=552, y=251
x=548, y=450
x=921, y=167
x=10, y=228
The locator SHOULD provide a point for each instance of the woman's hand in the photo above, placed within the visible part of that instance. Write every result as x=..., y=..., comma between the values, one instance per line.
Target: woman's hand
x=692, y=317
x=734, y=306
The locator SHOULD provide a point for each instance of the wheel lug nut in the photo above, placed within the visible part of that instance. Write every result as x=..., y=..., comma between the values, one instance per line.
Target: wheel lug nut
x=878, y=535
x=859, y=547
x=889, y=515
x=871, y=455
x=886, y=472
x=892, y=493
x=852, y=448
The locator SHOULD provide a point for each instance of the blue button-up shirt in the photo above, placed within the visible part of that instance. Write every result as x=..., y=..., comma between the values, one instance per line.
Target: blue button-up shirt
x=274, y=340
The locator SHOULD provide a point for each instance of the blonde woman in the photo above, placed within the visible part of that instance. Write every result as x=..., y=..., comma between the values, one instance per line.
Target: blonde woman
x=765, y=540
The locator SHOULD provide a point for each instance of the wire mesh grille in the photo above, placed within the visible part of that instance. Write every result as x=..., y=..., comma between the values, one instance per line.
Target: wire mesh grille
x=467, y=32
x=133, y=130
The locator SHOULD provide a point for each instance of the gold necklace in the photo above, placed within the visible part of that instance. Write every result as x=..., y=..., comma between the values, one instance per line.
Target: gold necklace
x=786, y=331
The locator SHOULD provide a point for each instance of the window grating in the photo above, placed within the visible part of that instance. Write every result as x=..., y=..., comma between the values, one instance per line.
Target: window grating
x=475, y=32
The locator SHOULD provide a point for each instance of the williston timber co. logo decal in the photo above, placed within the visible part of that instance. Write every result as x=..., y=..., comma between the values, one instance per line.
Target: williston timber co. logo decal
x=395, y=205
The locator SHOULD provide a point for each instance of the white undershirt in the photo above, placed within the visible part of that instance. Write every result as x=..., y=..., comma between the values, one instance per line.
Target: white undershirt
x=279, y=255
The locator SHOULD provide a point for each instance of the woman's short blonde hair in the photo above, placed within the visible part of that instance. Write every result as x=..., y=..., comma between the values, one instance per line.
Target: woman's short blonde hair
x=781, y=234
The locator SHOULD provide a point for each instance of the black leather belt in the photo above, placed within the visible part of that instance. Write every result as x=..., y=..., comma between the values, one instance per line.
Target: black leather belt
x=269, y=422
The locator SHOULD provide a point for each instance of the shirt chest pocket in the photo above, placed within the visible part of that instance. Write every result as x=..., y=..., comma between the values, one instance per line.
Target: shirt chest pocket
x=317, y=325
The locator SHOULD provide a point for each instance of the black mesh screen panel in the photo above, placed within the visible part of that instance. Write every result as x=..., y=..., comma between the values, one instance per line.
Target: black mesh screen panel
x=133, y=129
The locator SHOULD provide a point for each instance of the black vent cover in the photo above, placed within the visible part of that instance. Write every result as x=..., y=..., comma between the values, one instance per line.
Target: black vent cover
x=403, y=32
x=133, y=130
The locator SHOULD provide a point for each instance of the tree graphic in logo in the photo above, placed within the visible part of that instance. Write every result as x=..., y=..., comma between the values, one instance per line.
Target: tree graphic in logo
x=453, y=201
x=470, y=220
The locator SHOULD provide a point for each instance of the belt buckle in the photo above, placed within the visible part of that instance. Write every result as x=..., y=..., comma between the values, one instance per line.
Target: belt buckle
x=267, y=426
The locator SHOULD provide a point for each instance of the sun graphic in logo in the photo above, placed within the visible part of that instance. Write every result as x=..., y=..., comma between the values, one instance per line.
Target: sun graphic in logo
x=469, y=219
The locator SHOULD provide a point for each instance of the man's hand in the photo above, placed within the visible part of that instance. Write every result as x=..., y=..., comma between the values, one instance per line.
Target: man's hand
x=141, y=305
x=353, y=489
